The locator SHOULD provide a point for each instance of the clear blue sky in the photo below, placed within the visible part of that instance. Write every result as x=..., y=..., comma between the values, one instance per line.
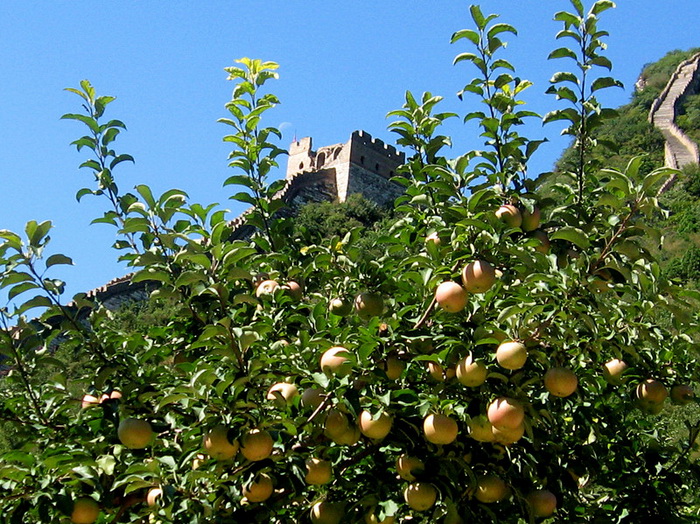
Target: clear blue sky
x=344, y=65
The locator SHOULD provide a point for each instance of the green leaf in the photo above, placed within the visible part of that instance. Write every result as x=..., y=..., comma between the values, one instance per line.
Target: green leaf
x=14, y=277
x=58, y=259
x=190, y=277
x=500, y=28
x=562, y=52
x=36, y=233
x=573, y=235
x=146, y=194
x=12, y=239
x=84, y=191
x=464, y=56
x=88, y=121
x=121, y=158
x=564, y=77
x=38, y=301
x=655, y=176
x=469, y=34
x=601, y=5
x=569, y=114
x=477, y=16
x=244, y=197
x=241, y=180
x=147, y=274
x=602, y=62
x=603, y=82
x=21, y=288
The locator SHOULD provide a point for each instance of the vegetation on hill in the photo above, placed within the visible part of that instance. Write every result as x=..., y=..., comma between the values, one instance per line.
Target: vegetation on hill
x=629, y=134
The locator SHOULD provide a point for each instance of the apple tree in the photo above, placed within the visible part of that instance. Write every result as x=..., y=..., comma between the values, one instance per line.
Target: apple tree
x=490, y=355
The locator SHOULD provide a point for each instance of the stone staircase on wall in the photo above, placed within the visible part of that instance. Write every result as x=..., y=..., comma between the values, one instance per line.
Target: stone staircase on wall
x=679, y=150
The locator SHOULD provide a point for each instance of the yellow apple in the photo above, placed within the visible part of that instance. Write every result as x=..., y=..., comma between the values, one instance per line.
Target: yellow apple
x=471, y=373
x=613, y=371
x=85, y=511
x=440, y=429
x=311, y=398
x=433, y=238
x=135, y=433
x=372, y=518
x=256, y=445
x=531, y=221
x=511, y=355
x=544, y=243
x=682, y=394
x=490, y=488
x=393, y=367
x=408, y=467
x=451, y=297
x=336, y=360
x=478, y=276
x=420, y=496
x=560, y=382
x=340, y=307
x=266, y=287
x=505, y=413
x=294, y=289
x=374, y=428
x=259, y=489
x=324, y=512
x=318, y=471
x=88, y=401
x=510, y=215
x=153, y=495
x=651, y=392
x=506, y=436
x=217, y=444
x=436, y=371
x=282, y=393
x=543, y=503
x=368, y=305
x=480, y=429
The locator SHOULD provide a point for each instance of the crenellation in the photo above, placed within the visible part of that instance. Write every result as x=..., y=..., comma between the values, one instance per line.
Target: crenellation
x=365, y=139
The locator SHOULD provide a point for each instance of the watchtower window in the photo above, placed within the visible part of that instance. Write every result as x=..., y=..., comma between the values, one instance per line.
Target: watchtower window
x=362, y=160
x=376, y=167
x=320, y=160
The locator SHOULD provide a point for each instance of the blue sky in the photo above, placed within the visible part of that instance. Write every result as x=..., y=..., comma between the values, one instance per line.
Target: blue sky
x=344, y=65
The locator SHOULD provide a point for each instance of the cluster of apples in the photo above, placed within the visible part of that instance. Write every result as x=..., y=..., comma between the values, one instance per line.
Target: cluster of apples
x=503, y=423
x=133, y=433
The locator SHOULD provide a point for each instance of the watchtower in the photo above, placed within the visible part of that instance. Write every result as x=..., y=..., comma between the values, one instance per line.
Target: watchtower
x=361, y=165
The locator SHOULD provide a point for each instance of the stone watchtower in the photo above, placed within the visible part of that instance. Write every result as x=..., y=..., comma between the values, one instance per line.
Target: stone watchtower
x=361, y=165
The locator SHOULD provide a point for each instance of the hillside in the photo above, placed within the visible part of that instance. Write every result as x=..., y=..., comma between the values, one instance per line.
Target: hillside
x=634, y=135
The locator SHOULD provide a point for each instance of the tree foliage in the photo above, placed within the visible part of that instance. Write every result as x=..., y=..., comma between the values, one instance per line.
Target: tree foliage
x=209, y=425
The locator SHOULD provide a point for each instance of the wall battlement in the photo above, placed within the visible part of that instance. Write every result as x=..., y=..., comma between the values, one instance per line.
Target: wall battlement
x=371, y=154
x=364, y=139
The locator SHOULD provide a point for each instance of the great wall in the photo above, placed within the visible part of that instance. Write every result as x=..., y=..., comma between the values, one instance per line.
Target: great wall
x=365, y=165
x=679, y=150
